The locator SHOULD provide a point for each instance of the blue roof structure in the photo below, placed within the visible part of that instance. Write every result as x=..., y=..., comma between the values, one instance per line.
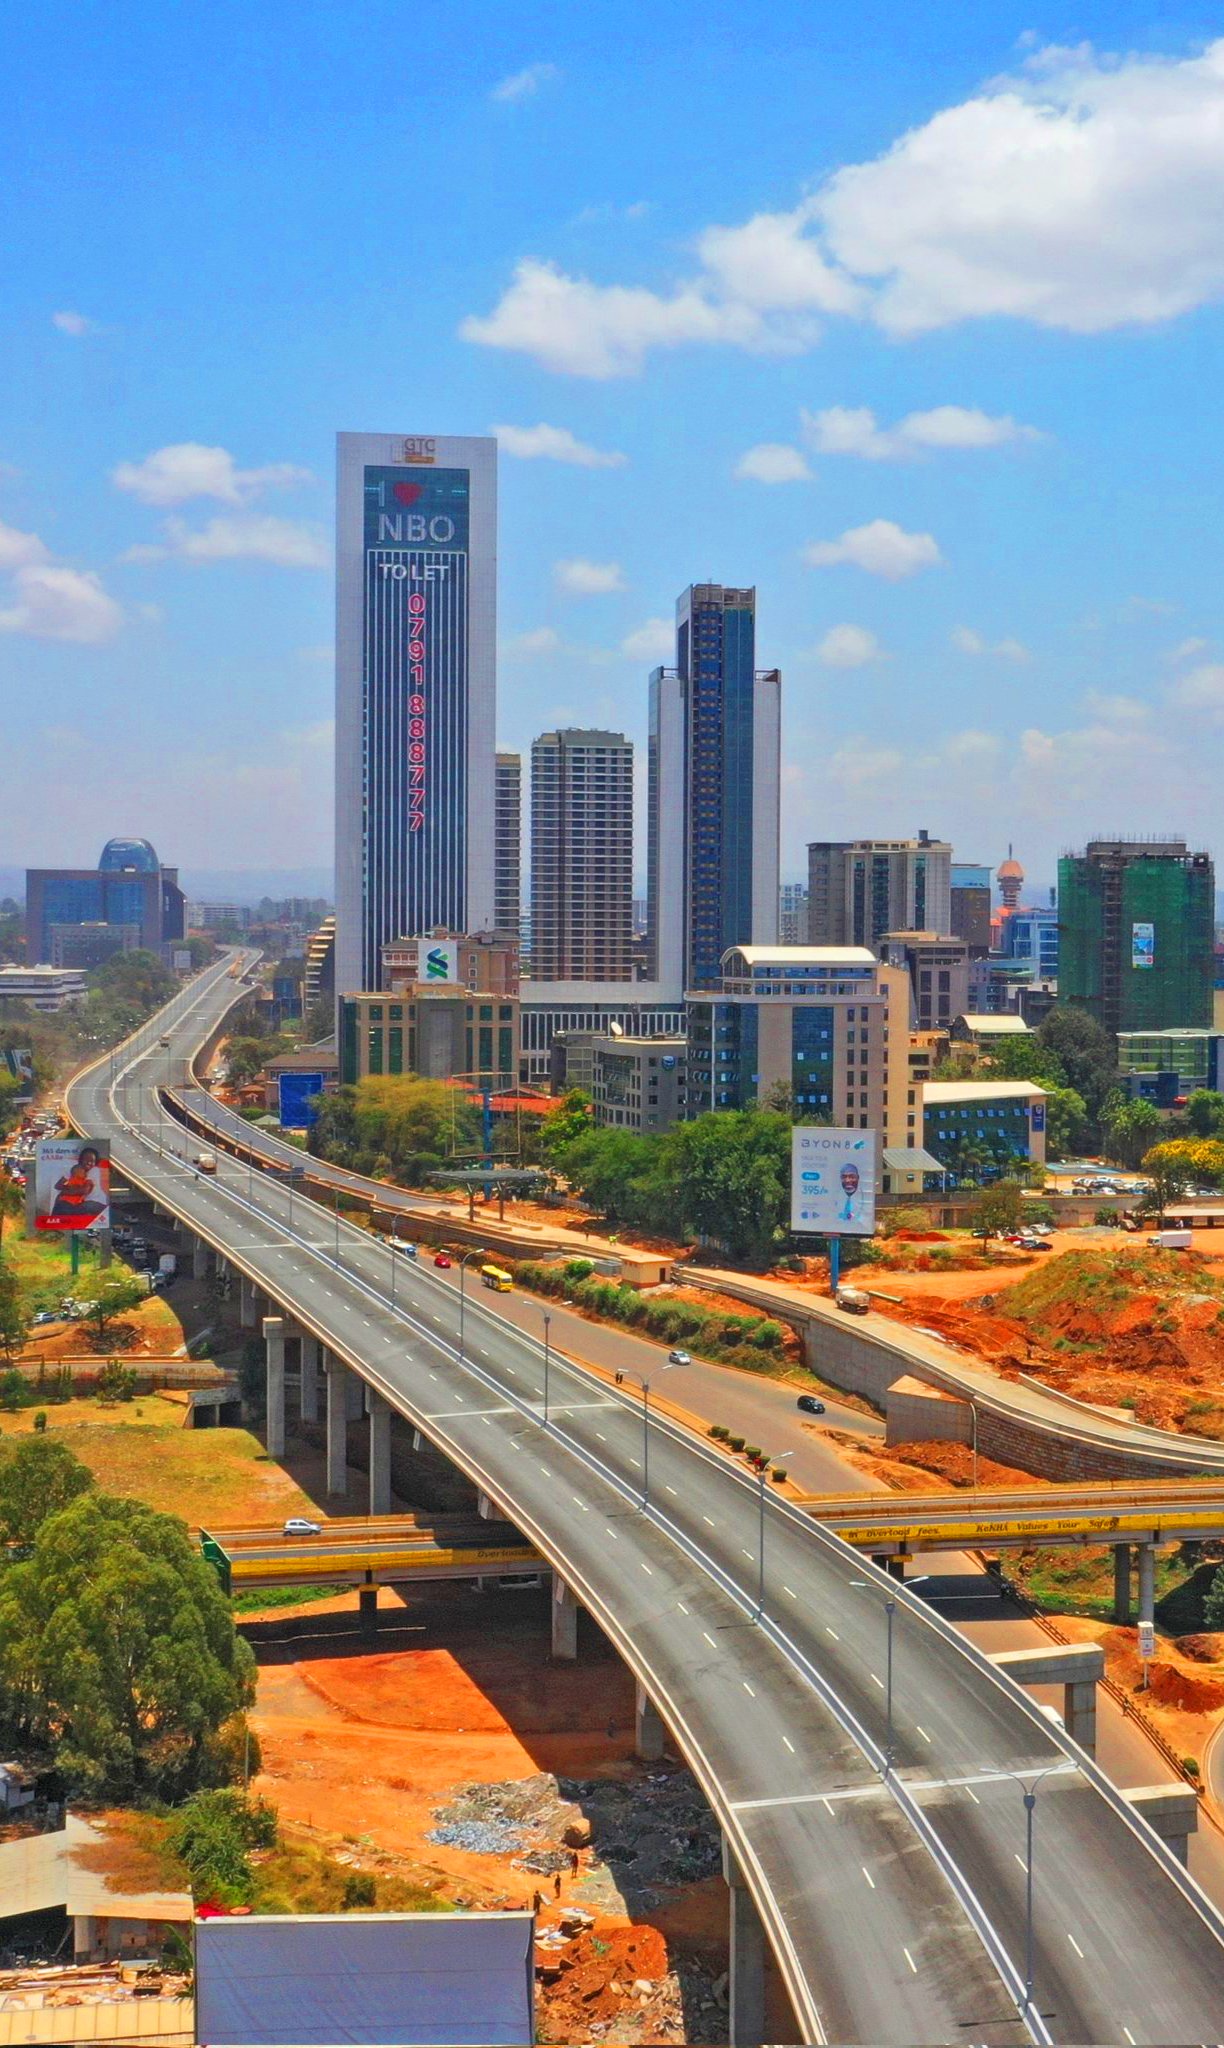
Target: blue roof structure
x=121, y=854
x=412, y=1978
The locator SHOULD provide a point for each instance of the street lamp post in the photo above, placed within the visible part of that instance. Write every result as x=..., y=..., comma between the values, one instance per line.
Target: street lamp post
x=764, y=1467
x=336, y=1214
x=973, y=1414
x=890, y=1609
x=295, y=1174
x=473, y=1254
x=547, y=1315
x=1030, y=1808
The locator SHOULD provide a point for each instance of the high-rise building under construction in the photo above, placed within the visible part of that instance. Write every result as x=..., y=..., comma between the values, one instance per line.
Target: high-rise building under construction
x=1136, y=927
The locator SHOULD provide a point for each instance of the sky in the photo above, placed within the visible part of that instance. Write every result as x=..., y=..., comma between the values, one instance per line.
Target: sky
x=909, y=314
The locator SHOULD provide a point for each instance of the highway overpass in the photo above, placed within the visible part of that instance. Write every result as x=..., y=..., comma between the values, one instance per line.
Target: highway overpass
x=881, y=1853
x=384, y=1551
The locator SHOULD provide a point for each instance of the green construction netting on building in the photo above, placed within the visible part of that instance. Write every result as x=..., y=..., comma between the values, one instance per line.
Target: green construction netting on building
x=1135, y=940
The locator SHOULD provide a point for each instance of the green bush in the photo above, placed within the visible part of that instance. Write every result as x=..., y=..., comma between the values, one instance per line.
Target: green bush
x=360, y=1889
x=578, y=1269
x=736, y=1442
x=752, y=1452
x=779, y=1473
x=719, y=1431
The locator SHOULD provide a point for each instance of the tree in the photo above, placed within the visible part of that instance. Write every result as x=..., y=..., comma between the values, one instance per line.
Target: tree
x=105, y=1299
x=1204, y=1114
x=38, y=1477
x=1170, y=1171
x=1128, y=1127
x=246, y=1057
x=118, y=1653
x=1024, y=1056
x=1086, y=1051
x=412, y=1124
x=1066, y=1121
x=728, y=1178
x=998, y=1208
x=571, y=1119
x=12, y=1205
x=611, y=1170
x=14, y=1320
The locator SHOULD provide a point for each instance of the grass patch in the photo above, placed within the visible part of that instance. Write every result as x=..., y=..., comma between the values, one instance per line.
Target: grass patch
x=209, y=1477
x=281, y=1596
x=1103, y=1280
x=1081, y=1582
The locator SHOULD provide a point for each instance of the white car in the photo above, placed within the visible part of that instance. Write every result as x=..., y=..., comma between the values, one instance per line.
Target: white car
x=298, y=1525
x=678, y=1358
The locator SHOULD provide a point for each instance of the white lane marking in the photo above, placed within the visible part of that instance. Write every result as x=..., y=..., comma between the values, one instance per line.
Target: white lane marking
x=973, y=1795
x=827, y=1807
x=867, y=1874
x=747, y=1554
x=683, y=1609
x=789, y=1744
x=706, y=1518
x=1075, y=1945
x=577, y=1502
x=637, y=1462
x=1020, y=1860
x=747, y=1688
x=483, y=1354
x=667, y=1488
x=646, y=1568
x=615, y=1538
x=872, y=1791
x=791, y=1591
x=877, y=1681
x=910, y=1960
x=602, y=1438
x=486, y=1422
x=545, y=1470
x=710, y=1640
x=832, y=1632
x=1130, y=2037
x=433, y=1375
x=437, y=1320
x=922, y=1732
x=459, y=1398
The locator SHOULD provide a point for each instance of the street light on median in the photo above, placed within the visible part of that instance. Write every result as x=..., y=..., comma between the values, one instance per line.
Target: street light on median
x=624, y=1373
x=475, y=1253
x=762, y=1470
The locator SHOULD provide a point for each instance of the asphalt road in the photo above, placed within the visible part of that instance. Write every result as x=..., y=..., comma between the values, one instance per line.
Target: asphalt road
x=894, y=1905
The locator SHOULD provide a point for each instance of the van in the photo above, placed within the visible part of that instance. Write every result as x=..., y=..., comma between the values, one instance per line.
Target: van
x=853, y=1300
x=1172, y=1240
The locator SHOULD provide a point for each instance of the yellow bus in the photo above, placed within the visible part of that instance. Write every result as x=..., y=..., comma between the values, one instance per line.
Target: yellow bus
x=497, y=1278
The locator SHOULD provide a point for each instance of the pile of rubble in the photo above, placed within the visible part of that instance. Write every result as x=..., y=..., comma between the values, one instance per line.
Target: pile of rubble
x=647, y=1834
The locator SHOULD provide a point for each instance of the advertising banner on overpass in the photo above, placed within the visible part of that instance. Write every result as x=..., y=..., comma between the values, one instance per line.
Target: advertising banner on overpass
x=833, y=1180
x=72, y=1184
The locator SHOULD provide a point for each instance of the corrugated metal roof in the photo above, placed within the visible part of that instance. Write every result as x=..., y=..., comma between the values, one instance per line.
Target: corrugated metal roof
x=935, y=1093
x=370, y=1977
x=911, y=1159
x=154, y=2022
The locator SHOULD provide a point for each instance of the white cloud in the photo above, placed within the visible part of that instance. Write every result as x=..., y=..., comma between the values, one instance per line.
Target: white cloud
x=967, y=641
x=772, y=462
x=1080, y=193
x=240, y=536
x=861, y=761
x=188, y=469
x=75, y=324
x=881, y=547
x=525, y=84
x=18, y=549
x=1187, y=649
x=321, y=654
x=849, y=647
x=1114, y=707
x=1201, y=689
x=607, y=210
x=588, y=579
x=556, y=444
x=538, y=640
x=854, y=430
x=590, y=330
x=654, y=641
x=56, y=603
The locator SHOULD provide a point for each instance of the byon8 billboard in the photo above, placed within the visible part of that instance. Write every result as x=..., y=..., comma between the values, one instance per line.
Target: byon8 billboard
x=833, y=1180
x=72, y=1184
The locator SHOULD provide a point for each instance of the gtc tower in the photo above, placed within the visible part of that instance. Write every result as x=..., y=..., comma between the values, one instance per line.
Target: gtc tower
x=416, y=597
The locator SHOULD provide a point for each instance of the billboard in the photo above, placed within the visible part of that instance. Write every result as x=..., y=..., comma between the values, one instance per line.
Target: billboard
x=833, y=1180
x=72, y=1184
x=19, y=1062
x=437, y=961
x=1143, y=945
x=298, y=1100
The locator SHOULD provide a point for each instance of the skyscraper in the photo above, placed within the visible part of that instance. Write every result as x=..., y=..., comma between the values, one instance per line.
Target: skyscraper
x=416, y=599
x=508, y=843
x=713, y=776
x=1136, y=934
x=970, y=918
x=859, y=889
x=581, y=856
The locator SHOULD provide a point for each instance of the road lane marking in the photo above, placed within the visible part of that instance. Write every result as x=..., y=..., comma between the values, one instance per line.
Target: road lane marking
x=828, y=1808
x=637, y=1462
x=1130, y=2037
x=706, y=1518
x=667, y=1488
x=1075, y=1945
x=910, y=1960
x=747, y=1554
x=832, y=1632
x=791, y=1591
x=922, y=1732
x=710, y=1640
x=683, y=1609
x=646, y=1568
x=877, y=1681
x=747, y=1688
x=867, y=1874
x=615, y=1538
x=1020, y=1860
x=973, y=1795
x=789, y=1744
x=874, y=1789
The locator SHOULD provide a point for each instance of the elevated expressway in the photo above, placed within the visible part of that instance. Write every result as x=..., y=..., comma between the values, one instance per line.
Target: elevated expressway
x=890, y=1887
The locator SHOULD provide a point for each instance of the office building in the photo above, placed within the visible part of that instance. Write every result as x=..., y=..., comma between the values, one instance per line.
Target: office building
x=792, y=914
x=938, y=972
x=827, y=1023
x=1136, y=934
x=43, y=987
x=1031, y=933
x=508, y=842
x=637, y=1084
x=486, y=963
x=713, y=780
x=129, y=892
x=984, y=1130
x=860, y=889
x=319, y=976
x=1010, y=879
x=1183, y=1060
x=438, y=1031
x=970, y=906
x=416, y=601
x=581, y=856
x=559, y=1019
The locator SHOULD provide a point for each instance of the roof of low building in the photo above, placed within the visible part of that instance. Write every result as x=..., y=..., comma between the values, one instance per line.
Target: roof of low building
x=911, y=1159
x=935, y=1093
x=805, y=956
x=1007, y=1023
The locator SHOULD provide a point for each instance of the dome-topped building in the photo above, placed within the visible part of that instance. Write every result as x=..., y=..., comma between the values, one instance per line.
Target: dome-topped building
x=128, y=856
x=1010, y=879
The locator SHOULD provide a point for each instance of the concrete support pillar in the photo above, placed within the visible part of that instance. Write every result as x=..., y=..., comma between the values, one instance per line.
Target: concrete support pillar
x=1147, y=1583
x=564, y=1620
x=649, y=1731
x=746, y=1987
x=1170, y=1810
x=199, y=1258
x=380, y=1454
x=356, y=1397
x=484, y=1507
x=274, y=1347
x=896, y=1568
x=1079, y=1712
x=337, y=1427
x=1122, y=1584
x=367, y=1610
x=308, y=1378
x=248, y=1303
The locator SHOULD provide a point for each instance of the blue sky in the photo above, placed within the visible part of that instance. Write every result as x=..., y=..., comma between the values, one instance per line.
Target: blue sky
x=910, y=317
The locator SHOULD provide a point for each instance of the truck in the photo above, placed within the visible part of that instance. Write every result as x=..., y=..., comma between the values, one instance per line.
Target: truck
x=205, y=1162
x=1172, y=1240
x=168, y=1264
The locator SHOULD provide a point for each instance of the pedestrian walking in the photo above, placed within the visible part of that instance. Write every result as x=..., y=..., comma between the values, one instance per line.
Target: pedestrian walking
x=557, y=1885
